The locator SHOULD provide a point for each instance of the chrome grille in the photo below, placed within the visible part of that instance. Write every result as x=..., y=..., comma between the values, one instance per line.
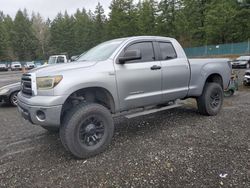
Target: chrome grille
x=26, y=84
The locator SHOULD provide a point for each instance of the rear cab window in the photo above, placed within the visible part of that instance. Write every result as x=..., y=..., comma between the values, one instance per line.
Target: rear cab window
x=167, y=51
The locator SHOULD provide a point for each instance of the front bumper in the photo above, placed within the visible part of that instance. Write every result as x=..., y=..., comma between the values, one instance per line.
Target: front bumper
x=246, y=81
x=52, y=113
x=3, y=69
x=4, y=98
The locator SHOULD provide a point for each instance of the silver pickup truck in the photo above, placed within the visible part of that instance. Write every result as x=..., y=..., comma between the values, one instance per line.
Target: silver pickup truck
x=128, y=76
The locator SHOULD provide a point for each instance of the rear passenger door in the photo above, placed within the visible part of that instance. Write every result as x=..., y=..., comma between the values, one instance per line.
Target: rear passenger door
x=175, y=72
x=139, y=81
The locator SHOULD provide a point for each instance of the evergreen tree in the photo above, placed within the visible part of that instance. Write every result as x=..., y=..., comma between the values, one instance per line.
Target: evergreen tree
x=3, y=38
x=82, y=29
x=23, y=39
x=100, y=21
x=219, y=21
x=122, y=19
x=147, y=17
x=62, y=35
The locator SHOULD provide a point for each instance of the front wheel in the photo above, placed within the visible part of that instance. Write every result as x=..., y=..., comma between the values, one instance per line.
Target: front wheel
x=13, y=99
x=211, y=100
x=87, y=130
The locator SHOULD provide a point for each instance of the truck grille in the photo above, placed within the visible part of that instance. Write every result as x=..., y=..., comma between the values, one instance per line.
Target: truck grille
x=26, y=84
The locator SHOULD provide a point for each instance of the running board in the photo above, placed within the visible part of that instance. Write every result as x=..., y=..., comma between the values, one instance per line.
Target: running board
x=151, y=111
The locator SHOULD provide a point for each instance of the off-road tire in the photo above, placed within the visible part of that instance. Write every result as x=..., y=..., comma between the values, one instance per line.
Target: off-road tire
x=74, y=120
x=205, y=102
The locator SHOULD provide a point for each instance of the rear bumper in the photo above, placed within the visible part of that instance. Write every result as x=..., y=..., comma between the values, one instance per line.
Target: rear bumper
x=51, y=114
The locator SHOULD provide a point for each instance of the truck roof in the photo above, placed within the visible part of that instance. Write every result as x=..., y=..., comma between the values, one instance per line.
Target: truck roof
x=57, y=55
x=149, y=37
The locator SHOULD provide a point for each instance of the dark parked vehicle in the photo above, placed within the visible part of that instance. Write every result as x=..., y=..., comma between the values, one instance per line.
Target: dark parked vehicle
x=9, y=93
x=241, y=62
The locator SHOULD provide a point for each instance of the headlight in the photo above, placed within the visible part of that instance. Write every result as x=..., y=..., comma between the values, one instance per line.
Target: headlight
x=3, y=91
x=49, y=82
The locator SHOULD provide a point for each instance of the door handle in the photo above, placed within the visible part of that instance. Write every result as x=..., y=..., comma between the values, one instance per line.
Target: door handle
x=155, y=67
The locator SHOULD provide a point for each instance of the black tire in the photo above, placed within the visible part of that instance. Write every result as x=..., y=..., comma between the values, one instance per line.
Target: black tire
x=51, y=129
x=211, y=100
x=13, y=98
x=87, y=130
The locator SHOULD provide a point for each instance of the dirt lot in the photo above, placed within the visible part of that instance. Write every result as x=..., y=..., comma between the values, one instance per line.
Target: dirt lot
x=175, y=148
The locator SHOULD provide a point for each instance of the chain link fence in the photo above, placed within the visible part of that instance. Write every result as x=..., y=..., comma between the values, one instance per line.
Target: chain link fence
x=242, y=48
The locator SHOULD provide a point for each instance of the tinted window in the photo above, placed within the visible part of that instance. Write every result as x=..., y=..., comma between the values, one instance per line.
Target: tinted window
x=146, y=48
x=60, y=59
x=167, y=50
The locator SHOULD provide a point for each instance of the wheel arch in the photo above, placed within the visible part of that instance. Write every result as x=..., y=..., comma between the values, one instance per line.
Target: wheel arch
x=98, y=95
x=215, y=78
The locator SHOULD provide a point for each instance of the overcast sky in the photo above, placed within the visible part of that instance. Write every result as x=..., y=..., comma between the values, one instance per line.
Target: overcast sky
x=50, y=8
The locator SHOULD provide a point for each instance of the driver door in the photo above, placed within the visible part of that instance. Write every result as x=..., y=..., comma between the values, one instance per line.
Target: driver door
x=139, y=81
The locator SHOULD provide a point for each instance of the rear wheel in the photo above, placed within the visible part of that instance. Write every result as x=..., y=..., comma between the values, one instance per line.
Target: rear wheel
x=87, y=130
x=211, y=100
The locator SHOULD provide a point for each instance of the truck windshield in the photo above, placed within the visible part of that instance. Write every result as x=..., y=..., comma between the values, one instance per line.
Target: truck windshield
x=52, y=60
x=101, y=52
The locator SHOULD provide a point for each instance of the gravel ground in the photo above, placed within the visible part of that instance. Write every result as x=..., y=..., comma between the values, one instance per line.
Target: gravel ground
x=174, y=148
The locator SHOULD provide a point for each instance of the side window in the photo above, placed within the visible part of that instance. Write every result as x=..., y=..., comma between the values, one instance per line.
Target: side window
x=147, y=51
x=60, y=59
x=167, y=51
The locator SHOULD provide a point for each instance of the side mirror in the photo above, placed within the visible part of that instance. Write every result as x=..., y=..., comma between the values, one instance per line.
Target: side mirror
x=130, y=55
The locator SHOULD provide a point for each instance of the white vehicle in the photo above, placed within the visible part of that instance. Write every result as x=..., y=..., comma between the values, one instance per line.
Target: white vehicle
x=15, y=66
x=37, y=65
x=3, y=67
x=29, y=65
x=55, y=59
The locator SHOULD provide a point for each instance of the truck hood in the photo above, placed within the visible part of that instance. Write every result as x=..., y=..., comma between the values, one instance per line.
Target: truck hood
x=56, y=68
x=11, y=86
